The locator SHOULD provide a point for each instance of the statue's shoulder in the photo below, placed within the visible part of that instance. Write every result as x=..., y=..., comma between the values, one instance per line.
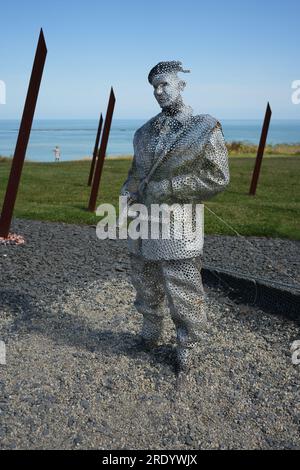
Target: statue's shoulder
x=206, y=120
x=147, y=126
x=201, y=128
x=203, y=125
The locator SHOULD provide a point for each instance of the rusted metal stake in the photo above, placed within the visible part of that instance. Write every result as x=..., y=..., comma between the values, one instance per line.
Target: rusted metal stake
x=23, y=137
x=260, y=151
x=102, y=152
x=95, y=153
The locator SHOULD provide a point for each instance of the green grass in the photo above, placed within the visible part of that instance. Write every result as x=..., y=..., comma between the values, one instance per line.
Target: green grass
x=58, y=192
x=238, y=148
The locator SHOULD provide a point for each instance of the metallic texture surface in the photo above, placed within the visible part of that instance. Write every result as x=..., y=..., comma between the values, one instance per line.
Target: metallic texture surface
x=177, y=281
x=178, y=159
x=102, y=152
x=187, y=160
x=23, y=136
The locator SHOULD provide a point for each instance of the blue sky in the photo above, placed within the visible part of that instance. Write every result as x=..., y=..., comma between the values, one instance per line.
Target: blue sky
x=241, y=54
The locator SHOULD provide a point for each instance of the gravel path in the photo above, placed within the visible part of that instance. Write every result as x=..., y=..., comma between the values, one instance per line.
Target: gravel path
x=75, y=379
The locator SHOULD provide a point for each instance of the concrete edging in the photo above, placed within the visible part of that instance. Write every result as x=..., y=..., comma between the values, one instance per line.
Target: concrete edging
x=267, y=297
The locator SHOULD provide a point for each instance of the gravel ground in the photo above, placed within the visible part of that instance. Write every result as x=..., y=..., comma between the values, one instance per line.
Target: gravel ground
x=75, y=377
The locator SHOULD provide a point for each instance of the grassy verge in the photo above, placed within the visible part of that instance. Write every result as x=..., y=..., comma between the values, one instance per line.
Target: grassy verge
x=58, y=192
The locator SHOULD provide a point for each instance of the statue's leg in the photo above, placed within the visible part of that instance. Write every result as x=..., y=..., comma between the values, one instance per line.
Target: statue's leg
x=186, y=298
x=146, y=277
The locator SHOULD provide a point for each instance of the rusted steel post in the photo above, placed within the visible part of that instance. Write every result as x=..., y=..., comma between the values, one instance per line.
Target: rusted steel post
x=23, y=137
x=260, y=151
x=102, y=152
x=95, y=153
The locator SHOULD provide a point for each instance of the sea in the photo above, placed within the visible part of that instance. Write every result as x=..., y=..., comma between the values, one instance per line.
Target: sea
x=76, y=138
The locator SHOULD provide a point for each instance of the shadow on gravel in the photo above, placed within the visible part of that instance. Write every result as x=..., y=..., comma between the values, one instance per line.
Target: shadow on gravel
x=63, y=328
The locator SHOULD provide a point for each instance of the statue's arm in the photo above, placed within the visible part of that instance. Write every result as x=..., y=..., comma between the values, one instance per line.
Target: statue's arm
x=210, y=174
x=130, y=186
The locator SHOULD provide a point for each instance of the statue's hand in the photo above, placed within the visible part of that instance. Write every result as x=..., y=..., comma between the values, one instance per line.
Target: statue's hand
x=142, y=186
x=131, y=197
x=158, y=191
x=154, y=191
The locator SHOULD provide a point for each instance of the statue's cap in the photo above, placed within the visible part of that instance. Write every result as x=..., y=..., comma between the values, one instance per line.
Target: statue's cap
x=172, y=66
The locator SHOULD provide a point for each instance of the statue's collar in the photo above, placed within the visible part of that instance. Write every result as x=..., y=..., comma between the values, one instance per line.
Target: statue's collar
x=182, y=115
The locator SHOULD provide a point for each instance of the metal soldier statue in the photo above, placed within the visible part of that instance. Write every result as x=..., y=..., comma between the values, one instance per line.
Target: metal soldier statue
x=178, y=158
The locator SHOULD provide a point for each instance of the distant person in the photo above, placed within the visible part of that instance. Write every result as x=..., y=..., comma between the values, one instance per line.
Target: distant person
x=56, y=152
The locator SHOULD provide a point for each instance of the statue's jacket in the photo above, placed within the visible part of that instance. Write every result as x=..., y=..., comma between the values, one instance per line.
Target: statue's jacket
x=179, y=160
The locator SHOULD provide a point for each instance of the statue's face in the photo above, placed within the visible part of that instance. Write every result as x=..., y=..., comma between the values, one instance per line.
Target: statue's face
x=167, y=88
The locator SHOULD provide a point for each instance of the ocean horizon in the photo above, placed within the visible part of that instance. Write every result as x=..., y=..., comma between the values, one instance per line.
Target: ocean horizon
x=76, y=137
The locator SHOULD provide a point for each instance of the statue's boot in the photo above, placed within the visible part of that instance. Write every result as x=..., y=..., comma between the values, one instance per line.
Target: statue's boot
x=184, y=359
x=183, y=365
x=151, y=332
